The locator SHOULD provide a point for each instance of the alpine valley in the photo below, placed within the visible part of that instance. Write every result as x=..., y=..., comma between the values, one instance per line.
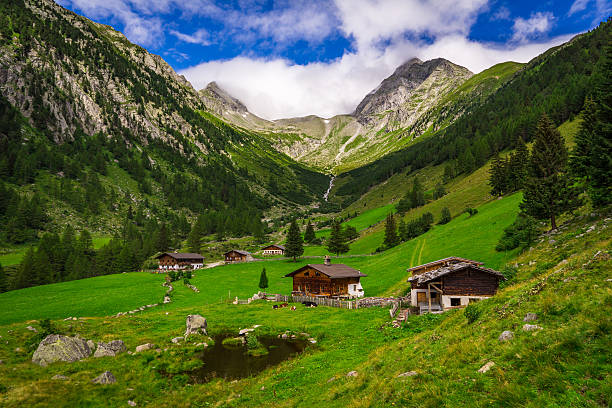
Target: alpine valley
x=467, y=215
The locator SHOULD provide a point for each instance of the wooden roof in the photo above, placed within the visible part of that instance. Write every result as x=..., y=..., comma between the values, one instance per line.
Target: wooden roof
x=275, y=246
x=239, y=251
x=180, y=255
x=445, y=270
x=334, y=271
x=440, y=261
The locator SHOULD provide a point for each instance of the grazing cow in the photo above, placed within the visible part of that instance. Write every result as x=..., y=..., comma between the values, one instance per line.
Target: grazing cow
x=309, y=304
x=274, y=306
x=293, y=307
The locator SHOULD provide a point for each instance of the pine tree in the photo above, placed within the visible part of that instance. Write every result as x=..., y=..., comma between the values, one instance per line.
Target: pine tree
x=497, y=177
x=309, y=235
x=162, y=239
x=3, y=280
x=581, y=154
x=402, y=230
x=26, y=274
x=194, y=239
x=439, y=191
x=445, y=216
x=294, y=246
x=547, y=190
x=263, y=280
x=600, y=174
x=518, y=166
x=336, y=243
x=391, y=237
x=417, y=194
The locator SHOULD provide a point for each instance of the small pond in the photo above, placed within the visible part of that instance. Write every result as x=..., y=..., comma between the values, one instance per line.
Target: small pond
x=221, y=361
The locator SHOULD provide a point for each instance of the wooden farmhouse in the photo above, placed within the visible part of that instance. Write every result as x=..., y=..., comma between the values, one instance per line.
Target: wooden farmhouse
x=274, y=250
x=178, y=260
x=236, y=255
x=451, y=282
x=327, y=280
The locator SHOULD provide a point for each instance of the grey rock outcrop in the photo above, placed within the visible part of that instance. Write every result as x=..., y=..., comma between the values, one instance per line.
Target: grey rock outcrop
x=505, y=336
x=531, y=327
x=59, y=377
x=56, y=347
x=177, y=340
x=105, y=378
x=144, y=347
x=196, y=324
x=352, y=374
x=486, y=367
x=529, y=317
x=110, y=349
x=408, y=374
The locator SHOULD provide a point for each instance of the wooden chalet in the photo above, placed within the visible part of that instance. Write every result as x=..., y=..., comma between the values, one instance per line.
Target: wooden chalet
x=180, y=260
x=274, y=250
x=237, y=255
x=327, y=280
x=451, y=282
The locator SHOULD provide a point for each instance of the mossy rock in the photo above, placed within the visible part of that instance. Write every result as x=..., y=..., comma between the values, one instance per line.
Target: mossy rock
x=258, y=352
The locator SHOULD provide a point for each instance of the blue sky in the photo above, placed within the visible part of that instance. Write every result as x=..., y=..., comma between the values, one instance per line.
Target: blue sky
x=292, y=58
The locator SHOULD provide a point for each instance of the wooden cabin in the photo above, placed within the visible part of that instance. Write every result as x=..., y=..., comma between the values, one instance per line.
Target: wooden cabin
x=451, y=282
x=237, y=255
x=329, y=280
x=180, y=260
x=274, y=250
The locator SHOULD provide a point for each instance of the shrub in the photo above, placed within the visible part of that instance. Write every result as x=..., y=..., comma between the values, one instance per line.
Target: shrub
x=471, y=211
x=187, y=274
x=445, y=217
x=472, y=313
x=509, y=273
x=522, y=233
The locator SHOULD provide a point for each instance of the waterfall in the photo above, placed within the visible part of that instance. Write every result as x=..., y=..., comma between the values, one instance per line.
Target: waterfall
x=331, y=184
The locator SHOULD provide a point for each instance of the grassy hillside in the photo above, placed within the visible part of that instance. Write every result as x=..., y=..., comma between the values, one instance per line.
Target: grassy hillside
x=564, y=280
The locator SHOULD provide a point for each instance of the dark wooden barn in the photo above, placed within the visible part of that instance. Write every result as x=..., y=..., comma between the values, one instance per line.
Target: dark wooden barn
x=180, y=260
x=237, y=255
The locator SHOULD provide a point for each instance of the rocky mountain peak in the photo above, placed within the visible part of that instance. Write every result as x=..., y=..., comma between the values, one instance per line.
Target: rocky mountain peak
x=220, y=101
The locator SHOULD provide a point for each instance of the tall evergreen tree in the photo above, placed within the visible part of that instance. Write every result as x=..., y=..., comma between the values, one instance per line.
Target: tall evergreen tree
x=336, y=243
x=391, y=237
x=518, y=166
x=26, y=273
x=580, y=158
x=417, y=194
x=600, y=174
x=263, y=280
x=439, y=191
x=402, y=230
x=445, y=216
x=294, y=246
x=547, y=190
x=162, y=238
x=309, y=235
x=3, y=280
x=194, y=239
x=497, y=177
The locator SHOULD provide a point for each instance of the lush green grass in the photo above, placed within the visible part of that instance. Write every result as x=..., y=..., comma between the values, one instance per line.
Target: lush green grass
x=567, y=363
x=99, y=296
x=370, y=217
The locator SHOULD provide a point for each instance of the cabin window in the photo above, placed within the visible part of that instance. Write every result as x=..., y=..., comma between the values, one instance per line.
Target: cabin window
x=434, y=295
x=317, y=274
x=306, y=273
x=455, y=301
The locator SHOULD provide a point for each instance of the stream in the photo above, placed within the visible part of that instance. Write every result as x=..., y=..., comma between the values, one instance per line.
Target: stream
x=331, y=184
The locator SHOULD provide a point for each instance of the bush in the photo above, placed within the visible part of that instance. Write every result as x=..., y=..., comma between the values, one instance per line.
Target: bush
x=445, y=217
x=523, y=232
x=509, y=273
x=471, y=211
x=187, y=274
x=472, y=313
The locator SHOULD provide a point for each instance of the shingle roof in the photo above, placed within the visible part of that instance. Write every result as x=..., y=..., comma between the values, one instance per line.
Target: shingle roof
x=450, y=258
x=445, y=270
x=334, y=271
x=181, y=255
x=275, y=245
x=238, y=251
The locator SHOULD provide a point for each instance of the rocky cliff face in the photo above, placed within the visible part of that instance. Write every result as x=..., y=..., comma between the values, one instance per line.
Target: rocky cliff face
x=398, y=111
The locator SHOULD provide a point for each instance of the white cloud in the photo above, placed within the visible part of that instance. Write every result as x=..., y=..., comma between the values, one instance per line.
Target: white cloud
x=537, y=24
x=577, y=6
x=502, y=13
x=201, y=37
x=279, y=89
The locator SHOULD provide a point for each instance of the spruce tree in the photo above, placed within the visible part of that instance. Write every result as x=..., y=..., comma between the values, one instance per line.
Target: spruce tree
x=294, y=246
x=162, y=239
x=26, y=273
x=194, y=239
x=3, y=280
x=391, y=237
x=518, y=166
x=336, y=243
x=309, y=235
x=547, y=192
x=580, y=159
x=497, y=178
x=402, y=230
x=417, y=194
x=600, y=174
x=263, y=280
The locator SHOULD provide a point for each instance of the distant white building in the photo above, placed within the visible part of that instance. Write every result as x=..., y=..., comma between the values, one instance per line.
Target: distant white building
x=274, y=250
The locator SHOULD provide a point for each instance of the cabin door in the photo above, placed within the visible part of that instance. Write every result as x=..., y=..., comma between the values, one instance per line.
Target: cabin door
x=421, y=297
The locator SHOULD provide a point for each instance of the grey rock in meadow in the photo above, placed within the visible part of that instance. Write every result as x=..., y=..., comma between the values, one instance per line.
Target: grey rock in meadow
x=531, y=327
x=91, y=344
x=105, y=378
x=408, y=374
x=30, y=328
x=177, y=340
x=56, y=347
x=59, y=377
x=331, y=379
x=131, y=403
x=110, y=349
x=352, y=374
x=144, y=347
x=529, y=317
x=486, y=367
x=167, y=299
x=506, y=335
x=196, y=324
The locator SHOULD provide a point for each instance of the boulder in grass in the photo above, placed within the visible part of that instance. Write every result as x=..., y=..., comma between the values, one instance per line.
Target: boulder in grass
x=506, y=335
x=56, y=347
x=177, y=340
x=59, y=377
x=105, y=378
x=529, y=317
x=486, y=367
x=408, y=374
x=196, y=324
x=531, y=327
x=110, y=349
x=144, y=347
x=352, y=374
